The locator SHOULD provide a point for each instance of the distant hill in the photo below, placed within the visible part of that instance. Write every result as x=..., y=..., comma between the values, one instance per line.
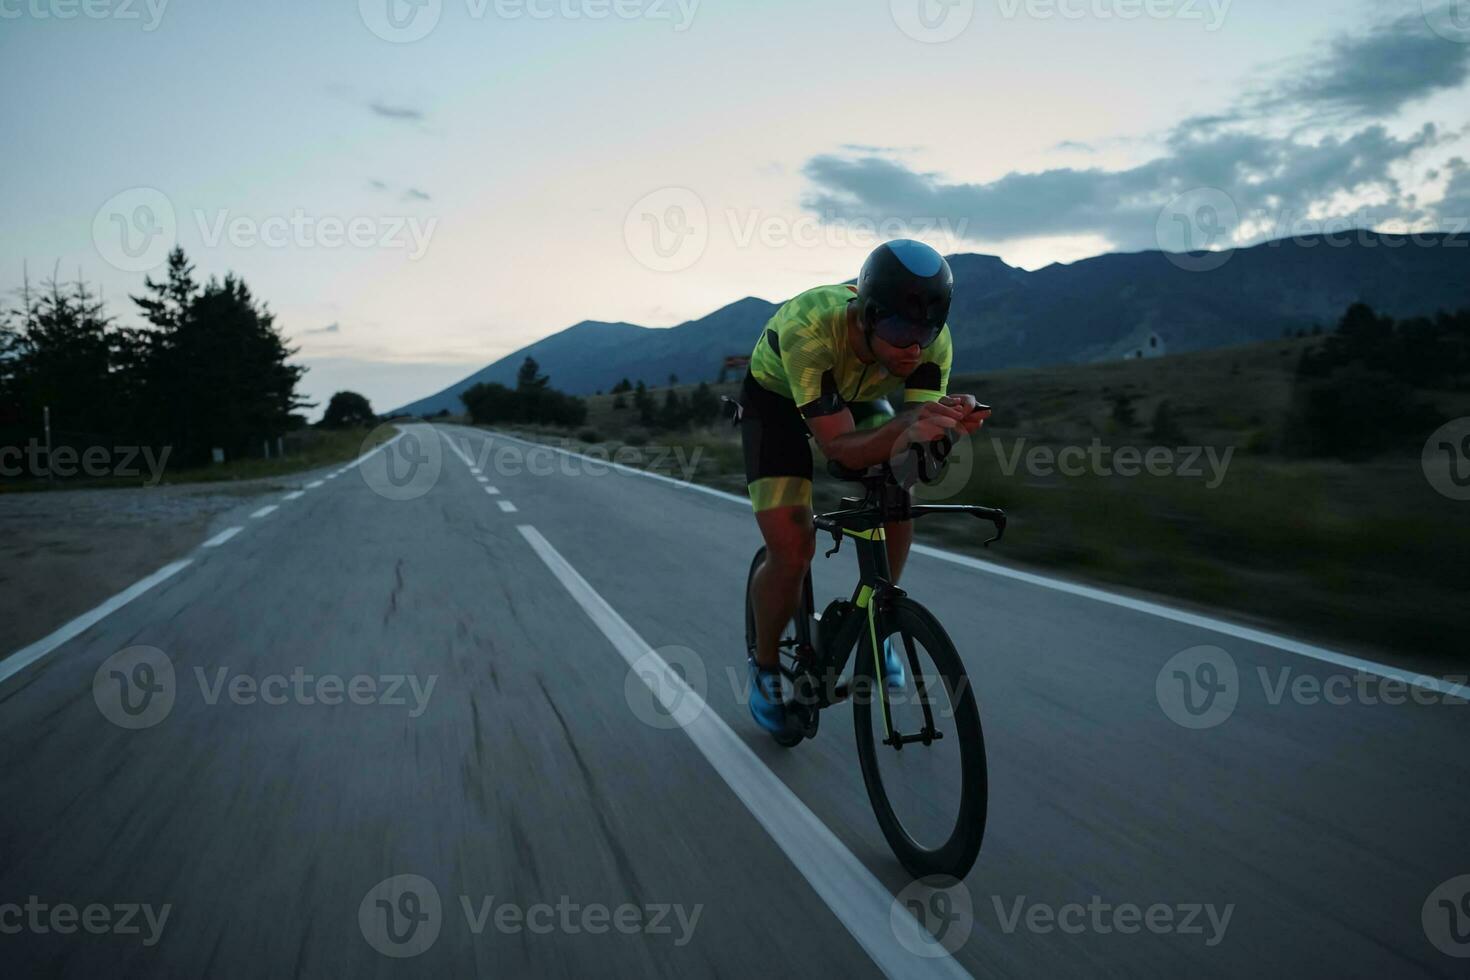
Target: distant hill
x=1099, y=309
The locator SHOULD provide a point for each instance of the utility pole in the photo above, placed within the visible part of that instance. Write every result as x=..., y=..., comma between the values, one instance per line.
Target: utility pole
x=50, y=470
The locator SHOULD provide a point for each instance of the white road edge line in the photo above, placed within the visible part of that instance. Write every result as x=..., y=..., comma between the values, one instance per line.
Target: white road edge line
x=1246, y=633
x=25, y=656
x=859, y=901
x=507, y=506
x=293, y=495
x=313, y=484
x=264, y=511
x=222, y=537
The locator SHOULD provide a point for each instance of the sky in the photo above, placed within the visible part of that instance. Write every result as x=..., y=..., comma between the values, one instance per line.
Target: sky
x=420, y=187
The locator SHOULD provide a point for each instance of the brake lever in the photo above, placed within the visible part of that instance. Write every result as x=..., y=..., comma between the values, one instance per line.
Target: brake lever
x=836, y=543
x=1000, y=527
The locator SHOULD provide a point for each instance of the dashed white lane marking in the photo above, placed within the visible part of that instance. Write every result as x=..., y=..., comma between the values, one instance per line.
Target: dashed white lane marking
x=222, y=537
x=483, y=479
x=507, y=506
x=293, y=495
x=313, y=484
x=1279, y=642
x=884, y=929
x=458, y=452
x=25, y=656
x=333, y=476
x=493, y=491
x=264, y=511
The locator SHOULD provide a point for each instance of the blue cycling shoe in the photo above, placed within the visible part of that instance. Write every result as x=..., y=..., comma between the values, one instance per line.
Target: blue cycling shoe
x=893, y=669
x=766, y=705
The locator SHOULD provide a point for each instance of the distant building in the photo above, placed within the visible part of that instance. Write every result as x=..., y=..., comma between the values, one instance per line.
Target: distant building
x=734, y=364
x=1153, y=347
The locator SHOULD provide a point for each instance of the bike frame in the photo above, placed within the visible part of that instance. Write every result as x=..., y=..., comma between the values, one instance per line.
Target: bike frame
x=864, y=520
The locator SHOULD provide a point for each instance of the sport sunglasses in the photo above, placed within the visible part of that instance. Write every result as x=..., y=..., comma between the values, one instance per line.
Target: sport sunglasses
x=902, y=332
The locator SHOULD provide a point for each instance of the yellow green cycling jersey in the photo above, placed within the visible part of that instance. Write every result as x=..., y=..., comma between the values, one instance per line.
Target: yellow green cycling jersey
x=803, y=354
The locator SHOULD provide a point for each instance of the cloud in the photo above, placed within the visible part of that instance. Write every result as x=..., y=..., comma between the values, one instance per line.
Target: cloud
x=1454, y=209
x=1283, y=175
x=1074, y=146
x=1374, y=75
x=377, y=185
x=329, y=328
x=414, y=194
x=1342, y=160
x=402, y=113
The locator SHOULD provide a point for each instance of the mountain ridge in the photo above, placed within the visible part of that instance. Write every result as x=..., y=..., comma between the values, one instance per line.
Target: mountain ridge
x=1102, y=307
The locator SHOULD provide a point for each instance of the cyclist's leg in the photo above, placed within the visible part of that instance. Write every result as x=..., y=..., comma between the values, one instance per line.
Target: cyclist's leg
x=778, y=472
x=900, y=535
x=776, y=587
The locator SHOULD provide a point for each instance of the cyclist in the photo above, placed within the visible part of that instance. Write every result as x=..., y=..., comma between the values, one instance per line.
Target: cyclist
x=821, y=369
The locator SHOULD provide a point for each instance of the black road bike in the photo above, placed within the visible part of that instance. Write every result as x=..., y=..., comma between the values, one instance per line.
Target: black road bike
x=921, y=747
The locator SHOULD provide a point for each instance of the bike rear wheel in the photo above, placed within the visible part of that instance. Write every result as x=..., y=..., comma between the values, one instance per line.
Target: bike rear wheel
x=930, y=796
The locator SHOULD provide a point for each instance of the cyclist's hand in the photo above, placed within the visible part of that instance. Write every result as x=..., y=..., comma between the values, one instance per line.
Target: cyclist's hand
x=972, y=420
x=932, y=420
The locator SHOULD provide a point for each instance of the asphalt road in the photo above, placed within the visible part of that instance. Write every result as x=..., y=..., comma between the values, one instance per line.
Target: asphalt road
x=559, y=823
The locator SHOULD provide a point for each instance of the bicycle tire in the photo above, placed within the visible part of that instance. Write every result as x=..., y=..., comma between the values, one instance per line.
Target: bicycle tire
x=956, y=856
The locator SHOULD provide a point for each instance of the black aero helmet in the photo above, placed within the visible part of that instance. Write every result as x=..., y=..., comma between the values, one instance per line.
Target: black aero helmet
x=904, y=292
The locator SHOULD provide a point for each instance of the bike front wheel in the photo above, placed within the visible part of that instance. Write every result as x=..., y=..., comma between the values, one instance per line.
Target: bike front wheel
x=920, y=744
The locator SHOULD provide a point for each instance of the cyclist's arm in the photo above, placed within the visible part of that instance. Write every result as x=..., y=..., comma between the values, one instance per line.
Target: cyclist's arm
x=839, y=438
